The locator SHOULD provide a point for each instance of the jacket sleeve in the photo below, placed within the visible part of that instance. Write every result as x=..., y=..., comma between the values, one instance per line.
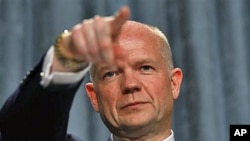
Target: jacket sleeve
x=35, y=113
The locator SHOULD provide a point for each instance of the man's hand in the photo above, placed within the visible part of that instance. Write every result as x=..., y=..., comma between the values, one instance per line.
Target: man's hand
x=94, y=39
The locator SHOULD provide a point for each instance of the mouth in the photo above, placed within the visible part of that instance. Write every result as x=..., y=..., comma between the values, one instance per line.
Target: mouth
x=133, y=105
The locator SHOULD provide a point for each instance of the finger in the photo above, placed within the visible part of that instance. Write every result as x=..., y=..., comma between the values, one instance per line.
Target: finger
x=102, y=31
x=91, y=40
x=78, y=44
x=119, y=19
x=111, y=33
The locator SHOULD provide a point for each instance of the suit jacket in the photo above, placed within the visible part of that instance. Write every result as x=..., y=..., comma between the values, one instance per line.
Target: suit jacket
x=35, y=113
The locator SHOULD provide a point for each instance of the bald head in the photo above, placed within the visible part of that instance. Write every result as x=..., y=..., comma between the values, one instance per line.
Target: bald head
x=136, y=30
x=133, y=29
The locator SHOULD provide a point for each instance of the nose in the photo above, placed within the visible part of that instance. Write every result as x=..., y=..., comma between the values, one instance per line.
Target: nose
x=130, y=83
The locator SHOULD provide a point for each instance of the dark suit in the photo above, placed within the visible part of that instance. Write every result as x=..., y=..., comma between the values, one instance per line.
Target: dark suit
x=34, y=113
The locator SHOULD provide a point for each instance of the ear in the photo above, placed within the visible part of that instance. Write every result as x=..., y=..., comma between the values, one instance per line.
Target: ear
x=89, y=87
x=176, y=79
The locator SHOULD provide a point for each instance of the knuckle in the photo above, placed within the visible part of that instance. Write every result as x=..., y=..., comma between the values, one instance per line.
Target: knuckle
x=99, y=24
x=76, y=27
x=76, y=30
x=87, y=21
x=75, y=34
x=97, y=17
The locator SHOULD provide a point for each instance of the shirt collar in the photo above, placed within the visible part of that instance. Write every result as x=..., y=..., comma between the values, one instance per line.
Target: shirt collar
x=169, y=138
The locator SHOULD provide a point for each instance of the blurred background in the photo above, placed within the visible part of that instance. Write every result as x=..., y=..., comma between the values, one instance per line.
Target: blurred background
x=209, y=39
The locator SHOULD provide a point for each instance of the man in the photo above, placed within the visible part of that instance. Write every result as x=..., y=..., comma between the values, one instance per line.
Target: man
x=134, y=83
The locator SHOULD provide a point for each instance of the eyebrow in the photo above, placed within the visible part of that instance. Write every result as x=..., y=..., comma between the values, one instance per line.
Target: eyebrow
x=143, y=61
x=104, y=67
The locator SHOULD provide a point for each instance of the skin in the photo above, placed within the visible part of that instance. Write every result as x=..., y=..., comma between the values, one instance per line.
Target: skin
x=133, y=88
x=93, y=39
x=135, y=99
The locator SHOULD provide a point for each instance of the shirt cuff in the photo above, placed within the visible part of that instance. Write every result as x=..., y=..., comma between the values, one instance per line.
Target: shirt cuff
x=59, y=77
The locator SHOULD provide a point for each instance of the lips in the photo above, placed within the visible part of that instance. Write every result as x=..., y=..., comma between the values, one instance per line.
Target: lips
x=133, y=104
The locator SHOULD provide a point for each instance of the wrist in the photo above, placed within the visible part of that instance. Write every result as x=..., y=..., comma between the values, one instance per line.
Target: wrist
x=64, y=60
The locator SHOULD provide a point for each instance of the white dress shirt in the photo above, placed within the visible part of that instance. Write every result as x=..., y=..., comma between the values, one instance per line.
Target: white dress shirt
x=169, y=138
x=59, y=77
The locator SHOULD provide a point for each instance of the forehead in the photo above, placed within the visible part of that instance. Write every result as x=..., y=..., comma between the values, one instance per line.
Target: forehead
x=136, y=41
x=138, y=36
x=136, y=30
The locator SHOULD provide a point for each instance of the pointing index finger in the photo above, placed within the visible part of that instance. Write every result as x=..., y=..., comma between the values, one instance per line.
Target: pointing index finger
x=119, y=19
x=115, y=26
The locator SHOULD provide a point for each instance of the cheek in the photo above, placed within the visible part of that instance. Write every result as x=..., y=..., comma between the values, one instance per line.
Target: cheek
x=156, y=83
x=107, y=97
x=159, y=89
x=164, y=98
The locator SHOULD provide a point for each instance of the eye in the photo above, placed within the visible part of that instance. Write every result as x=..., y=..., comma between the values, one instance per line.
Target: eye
x=109, y=74
x=146, y=68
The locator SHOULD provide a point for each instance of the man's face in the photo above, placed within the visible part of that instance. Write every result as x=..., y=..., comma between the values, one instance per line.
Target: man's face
x=138, y=92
